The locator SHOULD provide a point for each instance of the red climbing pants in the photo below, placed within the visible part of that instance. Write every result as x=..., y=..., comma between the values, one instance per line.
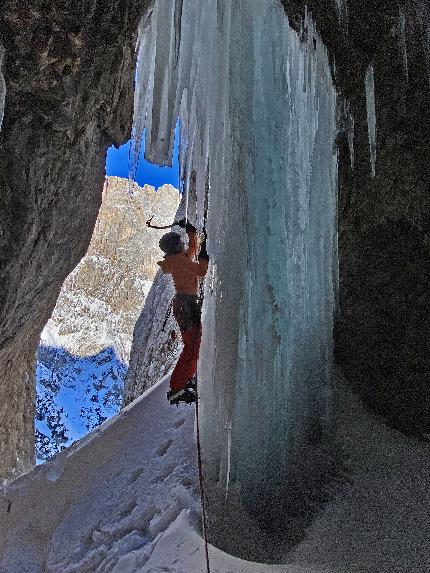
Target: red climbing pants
x=186, y=311
x=186, y=366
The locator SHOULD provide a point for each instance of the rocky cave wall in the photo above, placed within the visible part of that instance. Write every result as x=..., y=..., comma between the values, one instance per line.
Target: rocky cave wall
x=383, y=322
x=69, y=70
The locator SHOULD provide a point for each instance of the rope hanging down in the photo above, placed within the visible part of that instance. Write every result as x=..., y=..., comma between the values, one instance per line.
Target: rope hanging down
x=199, y=447
x=202, y=488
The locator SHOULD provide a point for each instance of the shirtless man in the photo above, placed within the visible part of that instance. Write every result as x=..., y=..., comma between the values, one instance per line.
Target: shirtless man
x=186, y=272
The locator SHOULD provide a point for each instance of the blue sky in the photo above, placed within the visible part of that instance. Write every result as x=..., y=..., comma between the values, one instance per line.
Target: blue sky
x=117, y=164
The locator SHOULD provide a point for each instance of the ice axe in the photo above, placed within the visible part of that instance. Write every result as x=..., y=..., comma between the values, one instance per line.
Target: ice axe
x=151, y=226
x=183, y=223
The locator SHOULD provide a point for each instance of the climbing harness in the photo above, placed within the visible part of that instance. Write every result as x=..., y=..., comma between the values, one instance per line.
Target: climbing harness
x=202, y=488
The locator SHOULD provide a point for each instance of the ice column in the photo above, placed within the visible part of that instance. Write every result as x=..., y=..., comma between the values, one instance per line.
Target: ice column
x=257, y=112
x=2, y=86
x=371, y=116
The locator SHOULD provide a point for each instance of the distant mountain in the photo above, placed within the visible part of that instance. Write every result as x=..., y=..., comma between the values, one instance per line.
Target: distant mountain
x=85, y=347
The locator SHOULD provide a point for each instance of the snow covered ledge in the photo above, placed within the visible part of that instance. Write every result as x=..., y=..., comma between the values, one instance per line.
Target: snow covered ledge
x=257, y=110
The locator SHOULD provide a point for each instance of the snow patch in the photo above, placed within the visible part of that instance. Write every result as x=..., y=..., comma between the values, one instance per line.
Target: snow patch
x=106, y=510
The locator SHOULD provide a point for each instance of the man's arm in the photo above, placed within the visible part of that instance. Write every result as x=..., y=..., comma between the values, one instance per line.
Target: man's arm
x=192, y=243
x=192, y=237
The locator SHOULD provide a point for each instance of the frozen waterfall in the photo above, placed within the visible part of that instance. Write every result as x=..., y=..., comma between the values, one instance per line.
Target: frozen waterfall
x=257, y=112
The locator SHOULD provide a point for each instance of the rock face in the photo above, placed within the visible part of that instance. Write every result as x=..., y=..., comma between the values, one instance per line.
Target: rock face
x=68, y=69
x=101, y=299
x=156, y=340
x=85, y=346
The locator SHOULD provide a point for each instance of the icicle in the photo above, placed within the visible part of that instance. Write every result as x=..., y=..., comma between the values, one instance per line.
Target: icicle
x=371, y=116
x=402, y=42
x=227, y=481
x=342, y=13
x=2, y=87
x=143, y=90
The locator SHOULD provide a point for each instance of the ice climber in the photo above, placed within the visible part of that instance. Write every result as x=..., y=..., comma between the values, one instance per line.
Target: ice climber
x=186, y=272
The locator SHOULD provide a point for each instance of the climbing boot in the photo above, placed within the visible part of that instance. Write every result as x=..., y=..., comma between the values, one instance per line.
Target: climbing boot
x=192, y=384
x=185, y=395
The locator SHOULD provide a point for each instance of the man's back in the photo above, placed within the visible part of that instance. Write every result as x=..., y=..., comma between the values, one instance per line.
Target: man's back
x=185, y=272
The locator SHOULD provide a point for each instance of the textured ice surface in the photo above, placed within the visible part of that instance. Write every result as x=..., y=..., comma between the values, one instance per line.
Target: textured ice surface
x=342, y=12
x=371, y=116
x=257, y=112
x=2, y=86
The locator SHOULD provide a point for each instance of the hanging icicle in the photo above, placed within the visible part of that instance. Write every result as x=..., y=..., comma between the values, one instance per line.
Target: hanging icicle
x=371, y=116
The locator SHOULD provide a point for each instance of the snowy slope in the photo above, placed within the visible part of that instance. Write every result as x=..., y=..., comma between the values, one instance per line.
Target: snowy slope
x=125, y=500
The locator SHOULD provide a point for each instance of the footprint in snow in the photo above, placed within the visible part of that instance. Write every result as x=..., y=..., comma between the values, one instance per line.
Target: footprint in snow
x=163, y=475
x=135, y=475
x=179, y=423
x=164, y=448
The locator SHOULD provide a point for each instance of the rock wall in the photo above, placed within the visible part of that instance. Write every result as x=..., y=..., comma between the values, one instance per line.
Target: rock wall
x=156, y=340
x=69, y=70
